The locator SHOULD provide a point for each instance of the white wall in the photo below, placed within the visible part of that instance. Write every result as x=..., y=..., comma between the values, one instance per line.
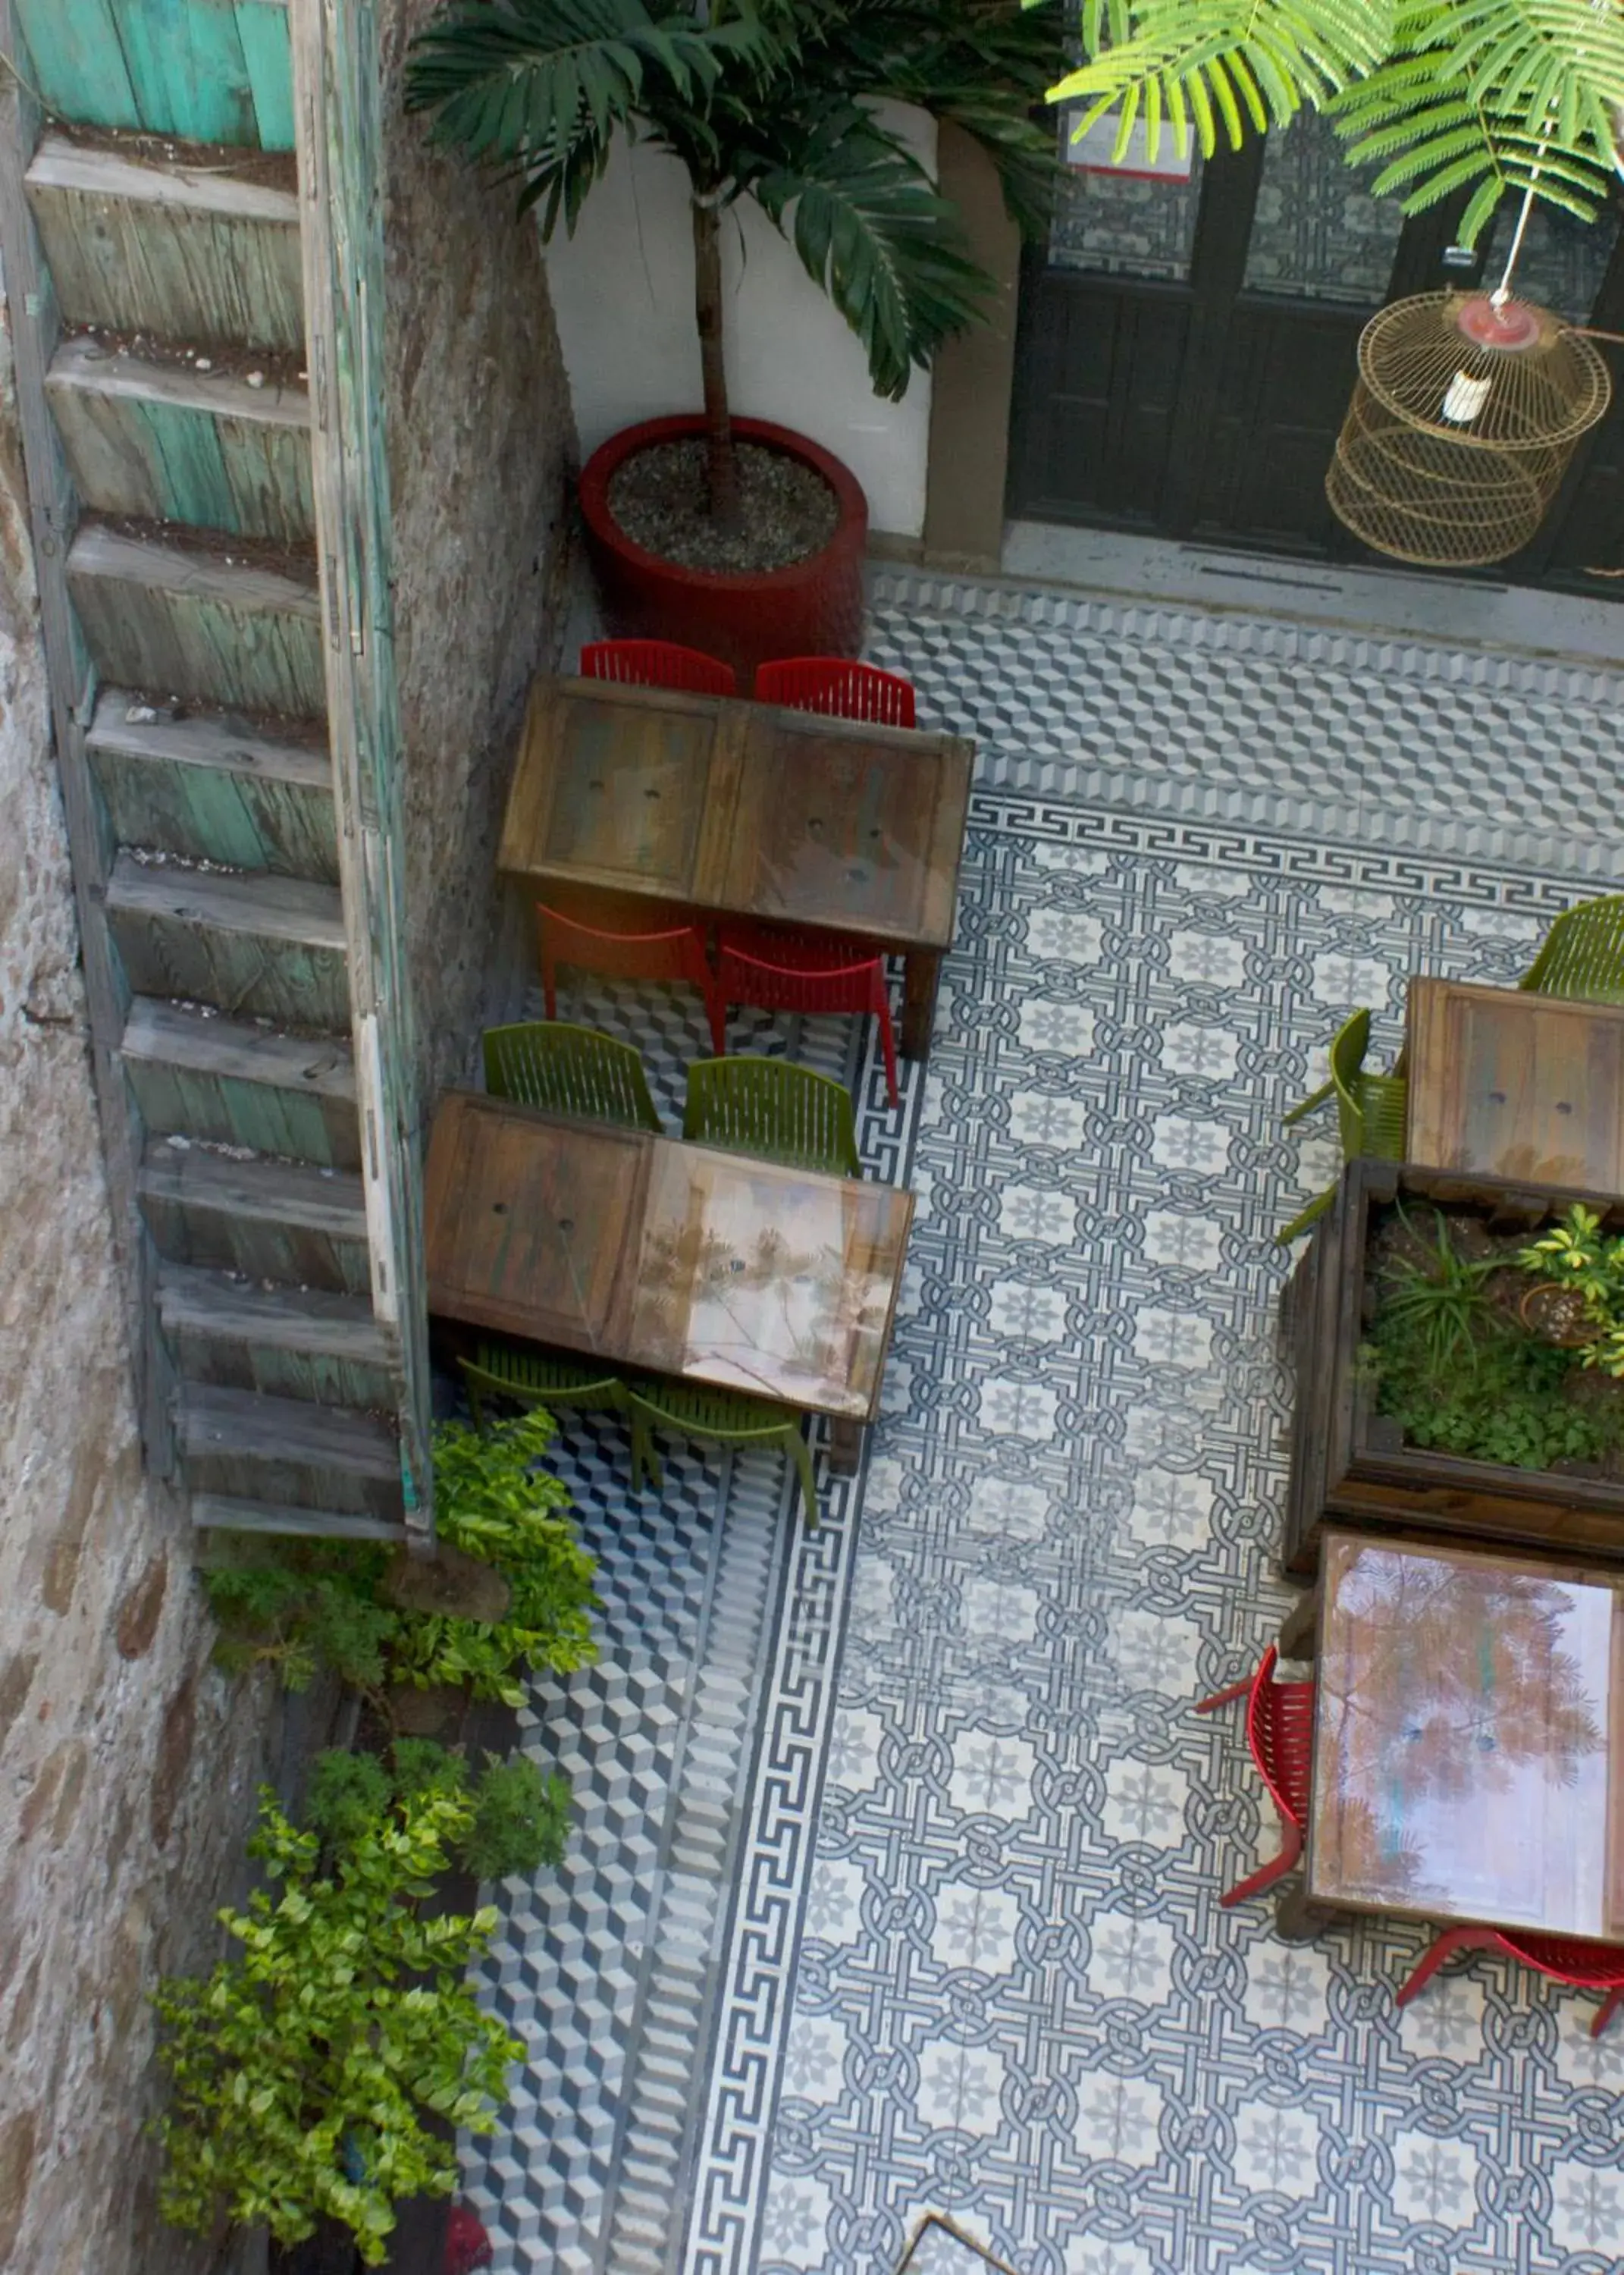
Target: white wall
x=622, y=294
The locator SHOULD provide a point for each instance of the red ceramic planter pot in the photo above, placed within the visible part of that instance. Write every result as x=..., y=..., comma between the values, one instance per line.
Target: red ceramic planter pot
x=812, y=608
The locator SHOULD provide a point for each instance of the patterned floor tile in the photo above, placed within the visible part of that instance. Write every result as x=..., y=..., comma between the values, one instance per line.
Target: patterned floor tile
x=967, y=1956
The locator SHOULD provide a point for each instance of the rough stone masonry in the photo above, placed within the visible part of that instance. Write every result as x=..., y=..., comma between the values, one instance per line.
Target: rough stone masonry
x=127, y=1765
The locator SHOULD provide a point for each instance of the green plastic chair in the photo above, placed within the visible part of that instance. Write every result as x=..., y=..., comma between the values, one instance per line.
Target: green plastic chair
x=1582, y=954
x=568, y=1069
x=767, y=1106
x=1372, y=1110
x=534, y=1378
x=725, y=1418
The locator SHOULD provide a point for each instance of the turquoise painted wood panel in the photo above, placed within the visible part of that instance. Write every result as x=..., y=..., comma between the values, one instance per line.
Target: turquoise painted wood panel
x=206, y=70
x=78, y=61
x=248, y=975
x=314, y=1375
x=210, y=815
x=270, y=1119
x=181, y=645
x=179, y=273
x=133, y=455
x=262, y=26
x=186, y=65
x=294, y=1256
x=210, y=1466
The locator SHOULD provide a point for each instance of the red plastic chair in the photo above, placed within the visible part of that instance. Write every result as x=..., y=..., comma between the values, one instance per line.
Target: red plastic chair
x=1280, y=1730
x=467, y=2246
x=839, y=688
x=678, y=954
x=787, y=971
x=657, y=663
x=1565, y=1958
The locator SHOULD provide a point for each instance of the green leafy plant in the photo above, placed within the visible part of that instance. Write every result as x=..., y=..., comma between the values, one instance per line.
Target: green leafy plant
x=520, y=1814
x=1462, y=1376
x=521, y=1819
x=1512, y=1407
x=493, y=1503
x=1483, y=98
x=1575, y=1253
x=772, y=100
x=310, y=1604
x=312, y=2057
x=1439, y=1302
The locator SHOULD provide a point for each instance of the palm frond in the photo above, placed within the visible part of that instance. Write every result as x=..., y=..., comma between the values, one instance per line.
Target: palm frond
x=1239, y=62
x=985, y=65
x=1495, y=98
x=537, y=88
x=1558, y=64
x=870, y=230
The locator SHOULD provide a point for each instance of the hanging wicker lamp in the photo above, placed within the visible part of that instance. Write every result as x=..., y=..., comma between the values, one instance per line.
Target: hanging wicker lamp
x=1467, y=411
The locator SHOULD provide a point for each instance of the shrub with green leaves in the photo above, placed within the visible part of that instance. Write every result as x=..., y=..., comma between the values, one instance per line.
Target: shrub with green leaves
x=313, y=2055
x=307, y=1604
x=1462, y=1375
x=520, y=1818
x=1575, y=1253
x=495, y=1503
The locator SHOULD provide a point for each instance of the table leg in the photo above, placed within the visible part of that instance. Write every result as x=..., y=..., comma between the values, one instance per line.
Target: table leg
x=921, y=972
x=1299, y=1630
x=1296, y=1920
x=845, y=1446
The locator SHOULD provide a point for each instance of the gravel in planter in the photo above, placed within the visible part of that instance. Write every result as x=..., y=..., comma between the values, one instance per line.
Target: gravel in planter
x=660, y=501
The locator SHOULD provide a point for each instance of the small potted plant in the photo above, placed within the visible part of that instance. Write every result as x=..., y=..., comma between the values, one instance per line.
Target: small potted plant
x=1459, y=1348
x=733, y=535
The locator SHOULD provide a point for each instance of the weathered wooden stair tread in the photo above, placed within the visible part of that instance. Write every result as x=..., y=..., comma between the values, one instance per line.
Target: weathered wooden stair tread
x=172, y=1034
x=91, y=171
x=228, y=1512
x=83, y=365
x=199, y=1303
x=217, y=739
x=272, y=908
x=192, y=572
x=248, y=1426
x=286, y=1193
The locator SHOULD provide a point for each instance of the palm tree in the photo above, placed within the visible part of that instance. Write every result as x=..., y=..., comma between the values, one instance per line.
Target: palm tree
x=771, y=100
x=1447, y=96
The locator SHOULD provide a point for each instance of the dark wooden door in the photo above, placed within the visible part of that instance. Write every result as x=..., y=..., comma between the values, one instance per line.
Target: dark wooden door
x=1187, y=350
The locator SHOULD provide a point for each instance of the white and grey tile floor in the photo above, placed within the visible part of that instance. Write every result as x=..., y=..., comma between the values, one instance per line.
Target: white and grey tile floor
x=897, y=1886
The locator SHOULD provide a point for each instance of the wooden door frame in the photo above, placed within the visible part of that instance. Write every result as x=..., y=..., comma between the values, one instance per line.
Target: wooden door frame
x=972, y=379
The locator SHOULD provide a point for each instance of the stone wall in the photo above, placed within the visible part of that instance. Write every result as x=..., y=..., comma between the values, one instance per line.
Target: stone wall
x=127, y=1766
x=481, y=445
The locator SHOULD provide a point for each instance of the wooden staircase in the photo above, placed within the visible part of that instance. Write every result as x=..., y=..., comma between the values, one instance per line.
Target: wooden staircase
x=159, y=303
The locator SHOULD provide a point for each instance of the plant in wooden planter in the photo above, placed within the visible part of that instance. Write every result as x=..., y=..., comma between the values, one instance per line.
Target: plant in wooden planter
x=735, y=535
x=306, y=1604
x=1459, y=1358
x=303, y=2069
x=1578, y=1297
x=1461, y=1372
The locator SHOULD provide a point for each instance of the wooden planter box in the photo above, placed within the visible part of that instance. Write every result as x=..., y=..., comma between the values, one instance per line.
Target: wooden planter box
x=1349, y=1462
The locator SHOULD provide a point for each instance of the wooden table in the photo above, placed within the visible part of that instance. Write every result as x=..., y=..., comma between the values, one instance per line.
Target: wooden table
x=649, y=1252
x=1468, y=1739
x=745, y=810
x=1509, y=1083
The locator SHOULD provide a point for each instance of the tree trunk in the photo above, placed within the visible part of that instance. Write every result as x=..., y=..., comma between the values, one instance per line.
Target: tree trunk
x=722, y=464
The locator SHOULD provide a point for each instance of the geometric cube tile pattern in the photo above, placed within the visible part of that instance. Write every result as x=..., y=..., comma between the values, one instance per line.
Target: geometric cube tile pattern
x=965, y=1951
x=1505, y=756
x=608, y=1970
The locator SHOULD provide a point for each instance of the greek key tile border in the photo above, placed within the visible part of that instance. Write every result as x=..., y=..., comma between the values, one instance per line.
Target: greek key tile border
x=760, y=1951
